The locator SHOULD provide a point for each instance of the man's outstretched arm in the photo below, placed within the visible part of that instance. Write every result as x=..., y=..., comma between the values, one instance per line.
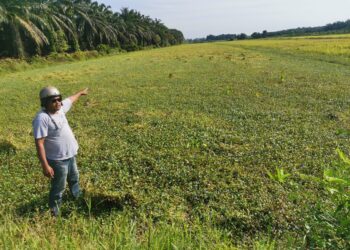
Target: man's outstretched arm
x=76, y=96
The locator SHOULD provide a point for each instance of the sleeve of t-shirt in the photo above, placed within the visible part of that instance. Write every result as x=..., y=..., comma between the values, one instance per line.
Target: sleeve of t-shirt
x=66, y=105
x=40, y=127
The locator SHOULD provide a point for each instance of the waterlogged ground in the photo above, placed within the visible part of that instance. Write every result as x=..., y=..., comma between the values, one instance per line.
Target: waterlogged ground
x=176, y=144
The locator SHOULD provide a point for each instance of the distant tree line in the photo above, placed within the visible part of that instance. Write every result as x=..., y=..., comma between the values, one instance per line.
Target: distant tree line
x=41, y=27
x=333, y=28
x=212, y=38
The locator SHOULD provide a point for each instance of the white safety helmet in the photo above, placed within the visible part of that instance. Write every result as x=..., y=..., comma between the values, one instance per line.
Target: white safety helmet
x=47, y=93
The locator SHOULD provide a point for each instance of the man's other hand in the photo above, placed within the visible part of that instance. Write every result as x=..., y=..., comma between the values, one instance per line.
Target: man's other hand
x=48, y=172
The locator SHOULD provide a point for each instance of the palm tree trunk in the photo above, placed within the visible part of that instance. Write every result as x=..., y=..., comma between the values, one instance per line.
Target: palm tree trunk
x=17, y=46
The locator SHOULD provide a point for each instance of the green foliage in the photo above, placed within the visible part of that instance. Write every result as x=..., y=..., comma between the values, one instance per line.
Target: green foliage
x=343, y=132
x=131, y=47
x=30, y=28
x=337, y=182
x=282, y=77
x=330, y=226
x=103, y=49
x=117, y=232
x=61, y=44
x=332, y=28
x=174, y=144
x=7, y=147
x=279, y=176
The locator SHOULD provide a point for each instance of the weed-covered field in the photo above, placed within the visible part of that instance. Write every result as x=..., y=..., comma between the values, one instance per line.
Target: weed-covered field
x=212, y=146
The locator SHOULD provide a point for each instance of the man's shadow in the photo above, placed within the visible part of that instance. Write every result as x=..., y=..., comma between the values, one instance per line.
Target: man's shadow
x=89, y=204
x=29, y=209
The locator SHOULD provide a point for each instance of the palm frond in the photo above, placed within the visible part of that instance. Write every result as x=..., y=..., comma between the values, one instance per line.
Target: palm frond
x=64, y=25
x=3, y=15
x=88, y=20
x=29, y=30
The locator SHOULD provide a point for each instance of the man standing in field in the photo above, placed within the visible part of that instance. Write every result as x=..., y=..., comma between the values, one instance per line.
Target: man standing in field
x=56, y=145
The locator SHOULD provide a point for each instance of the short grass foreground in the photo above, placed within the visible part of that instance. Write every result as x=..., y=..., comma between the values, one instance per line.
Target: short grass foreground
x=211, y=146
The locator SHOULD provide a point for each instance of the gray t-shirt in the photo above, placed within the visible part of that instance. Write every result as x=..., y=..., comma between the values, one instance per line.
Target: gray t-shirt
x=60, y=143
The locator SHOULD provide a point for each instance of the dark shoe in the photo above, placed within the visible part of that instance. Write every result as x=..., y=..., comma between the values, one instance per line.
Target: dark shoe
x=54, y=212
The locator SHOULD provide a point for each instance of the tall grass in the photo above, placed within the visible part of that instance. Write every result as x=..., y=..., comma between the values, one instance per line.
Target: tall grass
x=117, y=232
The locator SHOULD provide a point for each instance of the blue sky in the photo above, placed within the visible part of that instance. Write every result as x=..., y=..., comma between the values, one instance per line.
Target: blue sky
x=199, y=18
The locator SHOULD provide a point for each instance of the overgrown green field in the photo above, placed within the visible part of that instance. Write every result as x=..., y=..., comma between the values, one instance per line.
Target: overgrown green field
x=179, y=148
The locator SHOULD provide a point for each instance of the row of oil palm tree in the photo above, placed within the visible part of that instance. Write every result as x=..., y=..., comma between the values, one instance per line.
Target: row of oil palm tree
x=40, y=27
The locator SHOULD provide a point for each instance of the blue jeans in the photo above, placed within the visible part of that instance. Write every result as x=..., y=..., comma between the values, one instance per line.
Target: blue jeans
x=63, y=170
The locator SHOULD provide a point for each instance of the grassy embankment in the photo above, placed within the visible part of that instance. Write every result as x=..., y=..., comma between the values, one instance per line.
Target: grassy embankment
x=176, y=145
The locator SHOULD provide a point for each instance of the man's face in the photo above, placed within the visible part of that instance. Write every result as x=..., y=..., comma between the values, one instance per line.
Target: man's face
x=54, y=104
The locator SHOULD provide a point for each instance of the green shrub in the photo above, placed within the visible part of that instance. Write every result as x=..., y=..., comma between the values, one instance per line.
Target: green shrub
x=61, y=44
x=279, y=176
x=329, y=223
x=131, y=47
x=103, y=49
